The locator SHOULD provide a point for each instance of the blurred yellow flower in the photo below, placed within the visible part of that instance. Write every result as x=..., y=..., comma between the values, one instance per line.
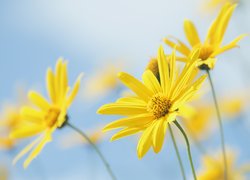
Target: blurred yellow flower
x=199, y=122
x=213, y=168
x=212, y=46
x=9, y=120
x=156, y=103
x=71, y=140
x=212, y=4
x=4, y=175
x=103, y=81
x=46, y=116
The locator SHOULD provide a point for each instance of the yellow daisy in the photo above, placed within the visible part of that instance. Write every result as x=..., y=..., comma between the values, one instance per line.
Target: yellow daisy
x=46, y=116
x=212, y=46
x=199, y=121
x=156, y=103
x=102, y=82
x=213, y=168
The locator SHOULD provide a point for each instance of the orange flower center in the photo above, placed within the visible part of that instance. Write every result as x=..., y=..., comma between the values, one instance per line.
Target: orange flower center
x=52, y=116
x=159, y=105
x=153, y=66
x=206, y=52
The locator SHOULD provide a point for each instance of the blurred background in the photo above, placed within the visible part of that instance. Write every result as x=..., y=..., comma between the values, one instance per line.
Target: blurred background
x=102, y=38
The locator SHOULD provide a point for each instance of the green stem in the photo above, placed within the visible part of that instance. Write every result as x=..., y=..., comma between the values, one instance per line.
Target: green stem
x=96, y=149
x=177, y=152
x=188, y=147
x=220, y=124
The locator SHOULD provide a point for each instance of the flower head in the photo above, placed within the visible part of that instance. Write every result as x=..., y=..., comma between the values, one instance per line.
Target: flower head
x=102, y=82
x=212, y=46
x=211, y=4
x=199, y=121
x=155, y=104
x=213, y=168
x=46, y=116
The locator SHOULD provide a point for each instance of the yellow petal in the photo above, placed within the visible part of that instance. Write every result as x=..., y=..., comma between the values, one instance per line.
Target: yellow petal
x=136, y=86
x=32, y=115
x=180, y=46
x=212, y=36
x=58, y=79
x=163, y=70
x=51, y=85
x=64, y=80
x=229, y=46
x=126, y=132
x=38, y=100
x=26, y=150
x=191, y=33
x=26, y=131
x=122, y=109
x=144, y=143
x=138, y=120
x=74, y=90
x=159, y=135
x=131, y=100
x=224, y=22
x=38, y=149
x=151, y=81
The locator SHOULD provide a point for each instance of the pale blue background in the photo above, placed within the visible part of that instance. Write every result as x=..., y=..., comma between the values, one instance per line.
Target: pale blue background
x=33, y=34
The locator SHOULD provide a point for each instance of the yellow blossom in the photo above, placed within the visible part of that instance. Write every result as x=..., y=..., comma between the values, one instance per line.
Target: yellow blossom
x=212, y=4
x=213, y=168
x=46, y=116
x=103, y=81
x=199, y=122
x=156, y=103
x=212, y=46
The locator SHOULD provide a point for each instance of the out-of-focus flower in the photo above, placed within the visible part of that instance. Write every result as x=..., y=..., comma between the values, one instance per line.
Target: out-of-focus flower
x=156, y=103
x=213, y=168
x=102, y=82
x=73, y=139
x=10, y=119
x=212, y=46
x=4, y=175
x=46, y=116
x=212, y=4
x=199, y=123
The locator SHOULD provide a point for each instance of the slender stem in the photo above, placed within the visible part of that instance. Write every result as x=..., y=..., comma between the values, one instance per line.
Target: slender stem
x=177, y=153
x=188, y=148
x=96, y=149
x=220, y=125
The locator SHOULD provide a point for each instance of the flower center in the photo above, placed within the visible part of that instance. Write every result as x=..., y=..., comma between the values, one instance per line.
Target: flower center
x=153, y=66
x=206, y=52
x=159, y=105
x=52, y=116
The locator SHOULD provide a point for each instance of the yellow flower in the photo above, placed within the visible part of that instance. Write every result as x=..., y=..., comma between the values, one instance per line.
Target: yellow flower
x=10, y=119
x=46, y=116
x=102, y=82
x=211, y=4
x=213, y=168
x=4, y=174
x=71, y=140
x=199, y=123
x=156, y=103
x=212, y=46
